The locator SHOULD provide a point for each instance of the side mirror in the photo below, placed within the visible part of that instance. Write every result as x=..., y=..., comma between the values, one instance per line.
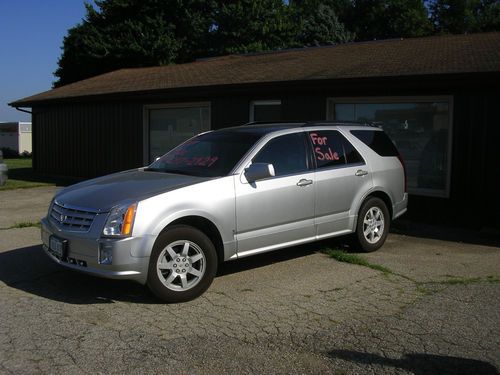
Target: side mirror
x=259, y=171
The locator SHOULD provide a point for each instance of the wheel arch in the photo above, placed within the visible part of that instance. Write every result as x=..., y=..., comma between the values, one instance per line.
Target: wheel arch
x=383, y=196
x=203, y=225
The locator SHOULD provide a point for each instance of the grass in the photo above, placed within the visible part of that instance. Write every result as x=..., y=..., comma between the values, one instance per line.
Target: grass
x=343, y=256
x=423, y=287
x=23, y=224
x=468, y=280
x=431, y=287
x=21, y=175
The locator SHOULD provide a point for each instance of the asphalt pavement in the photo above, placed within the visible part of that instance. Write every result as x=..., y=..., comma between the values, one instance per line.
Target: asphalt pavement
x=294, y=311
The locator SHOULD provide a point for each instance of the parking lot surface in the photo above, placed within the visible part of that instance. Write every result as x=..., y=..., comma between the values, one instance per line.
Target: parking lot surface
x=436, y=310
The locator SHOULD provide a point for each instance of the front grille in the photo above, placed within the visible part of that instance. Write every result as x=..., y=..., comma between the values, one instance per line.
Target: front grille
x=71, y=218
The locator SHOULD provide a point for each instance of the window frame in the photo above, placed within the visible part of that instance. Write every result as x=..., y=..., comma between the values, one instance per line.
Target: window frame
x=253, y=103
x=307, y=149
x=145, y=121
x=445, y=193
x=338, y=166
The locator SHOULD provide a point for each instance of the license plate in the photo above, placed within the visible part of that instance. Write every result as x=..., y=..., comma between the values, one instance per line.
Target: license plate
x=58, y=246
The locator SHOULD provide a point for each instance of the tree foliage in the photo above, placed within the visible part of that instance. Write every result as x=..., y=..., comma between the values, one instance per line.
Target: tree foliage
x=133, y=33
x=465, y=16
x=117, y=34
x=384, y=19
x=250, y=26
x=317, y=22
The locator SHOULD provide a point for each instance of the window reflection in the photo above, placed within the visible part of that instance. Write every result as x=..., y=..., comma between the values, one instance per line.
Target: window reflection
x=419, y=130
x=168, y=127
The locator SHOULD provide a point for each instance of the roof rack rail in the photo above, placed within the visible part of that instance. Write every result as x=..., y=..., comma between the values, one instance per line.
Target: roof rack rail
x=315, y=123
x=340, y=123
x=272, y=122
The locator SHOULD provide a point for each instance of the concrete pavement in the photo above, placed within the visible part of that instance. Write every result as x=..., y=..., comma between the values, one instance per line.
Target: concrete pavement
x=291, y=311
x=24, y=205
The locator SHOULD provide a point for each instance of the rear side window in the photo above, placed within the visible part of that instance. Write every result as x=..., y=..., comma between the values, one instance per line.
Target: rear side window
x=331, y=149
x=378, y=141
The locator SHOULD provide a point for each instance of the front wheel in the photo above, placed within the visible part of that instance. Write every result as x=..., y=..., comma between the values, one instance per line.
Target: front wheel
x=182, y=265
x=372, y=226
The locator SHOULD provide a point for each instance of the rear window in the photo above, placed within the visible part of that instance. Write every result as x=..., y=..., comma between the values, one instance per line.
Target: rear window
x=378, y=141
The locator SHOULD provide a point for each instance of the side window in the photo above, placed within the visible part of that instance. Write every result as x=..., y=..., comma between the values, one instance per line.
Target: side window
x=286, y=153
x=352, y=156
x=378, y=141
x=331, y=149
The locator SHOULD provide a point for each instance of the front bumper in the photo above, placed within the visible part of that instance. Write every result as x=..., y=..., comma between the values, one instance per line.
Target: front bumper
x=130, y=256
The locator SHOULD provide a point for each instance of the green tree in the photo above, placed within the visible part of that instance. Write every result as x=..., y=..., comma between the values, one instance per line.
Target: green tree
x=465, y=16
x=133, y=33
x=383, y=19
x=250, y=26
x=317, y=22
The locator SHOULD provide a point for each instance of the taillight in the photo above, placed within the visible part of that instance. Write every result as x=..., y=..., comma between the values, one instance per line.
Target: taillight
x=404, y=168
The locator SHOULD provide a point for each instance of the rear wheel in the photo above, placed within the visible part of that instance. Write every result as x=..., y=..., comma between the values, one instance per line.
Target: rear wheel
x=372, y=226
x=183, y=264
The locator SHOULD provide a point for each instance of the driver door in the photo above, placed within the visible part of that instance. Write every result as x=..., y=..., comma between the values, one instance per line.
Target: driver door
x=277, y=211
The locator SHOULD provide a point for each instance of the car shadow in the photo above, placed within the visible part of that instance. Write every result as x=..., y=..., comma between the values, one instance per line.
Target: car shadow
x=443, y=232
x=265, y=259
x=420, y=364
x=30, y=270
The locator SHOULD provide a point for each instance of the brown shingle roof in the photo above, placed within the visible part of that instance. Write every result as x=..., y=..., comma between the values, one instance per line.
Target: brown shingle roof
x=407, y=57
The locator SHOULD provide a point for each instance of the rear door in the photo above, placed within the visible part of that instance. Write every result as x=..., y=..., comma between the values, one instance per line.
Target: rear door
x=279, y=210
x=341, y=178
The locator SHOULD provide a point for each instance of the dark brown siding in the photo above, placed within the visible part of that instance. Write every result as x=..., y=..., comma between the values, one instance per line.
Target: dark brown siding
x=304, y=107
x=87, y=140
x=229, y=111
x=475, y=174
x=476, y=162
x=90, y=139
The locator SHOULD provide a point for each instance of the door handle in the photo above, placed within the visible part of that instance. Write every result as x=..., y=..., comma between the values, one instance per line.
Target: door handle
x=304, y=182
x=361, y=172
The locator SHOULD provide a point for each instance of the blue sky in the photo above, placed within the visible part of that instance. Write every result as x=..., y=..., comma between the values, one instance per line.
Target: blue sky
x=31, y=36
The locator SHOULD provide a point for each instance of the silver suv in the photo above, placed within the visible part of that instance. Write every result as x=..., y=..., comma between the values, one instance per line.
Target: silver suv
x=225, y=195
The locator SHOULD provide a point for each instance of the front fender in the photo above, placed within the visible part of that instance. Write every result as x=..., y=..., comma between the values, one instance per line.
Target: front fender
x=213, y=200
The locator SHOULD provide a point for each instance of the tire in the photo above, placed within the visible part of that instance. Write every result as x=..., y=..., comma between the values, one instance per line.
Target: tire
x=372, y=226
x=182, y=265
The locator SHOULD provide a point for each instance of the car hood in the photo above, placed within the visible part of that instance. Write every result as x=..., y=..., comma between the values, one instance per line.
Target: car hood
x=103, y=193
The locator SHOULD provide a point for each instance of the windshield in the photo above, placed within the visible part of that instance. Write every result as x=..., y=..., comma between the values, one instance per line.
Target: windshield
x=207, y=155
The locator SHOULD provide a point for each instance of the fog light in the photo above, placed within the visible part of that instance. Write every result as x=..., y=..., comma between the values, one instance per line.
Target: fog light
x=105, y=254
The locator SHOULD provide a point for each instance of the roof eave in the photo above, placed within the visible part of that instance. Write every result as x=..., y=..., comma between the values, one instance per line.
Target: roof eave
x=457, y=79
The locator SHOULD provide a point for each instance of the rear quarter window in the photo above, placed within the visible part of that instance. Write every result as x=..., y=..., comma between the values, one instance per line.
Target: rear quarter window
x=378, y=141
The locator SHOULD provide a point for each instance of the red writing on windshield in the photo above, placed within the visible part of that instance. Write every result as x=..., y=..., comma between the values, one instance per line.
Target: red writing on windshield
x=198, y=161
x=322, y=150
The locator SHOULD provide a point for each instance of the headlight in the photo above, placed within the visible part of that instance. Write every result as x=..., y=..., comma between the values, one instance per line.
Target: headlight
x=120, y=221
x=50, y=207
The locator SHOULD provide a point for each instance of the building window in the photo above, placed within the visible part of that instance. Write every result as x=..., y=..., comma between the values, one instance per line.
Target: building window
x=419, y=126
x=169, y=125
x=265, y=110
